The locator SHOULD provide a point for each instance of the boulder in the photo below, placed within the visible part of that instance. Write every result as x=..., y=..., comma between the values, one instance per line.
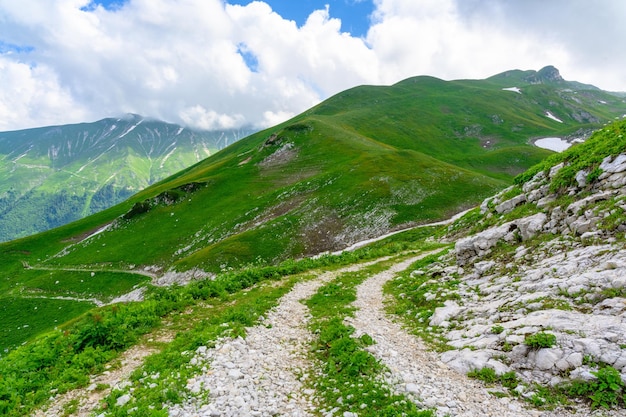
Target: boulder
x=547, y=358
x=464, y=361
x=508, y=205
x=612, y=166
x=445, y=313
x=479, y=244
x=530, y=226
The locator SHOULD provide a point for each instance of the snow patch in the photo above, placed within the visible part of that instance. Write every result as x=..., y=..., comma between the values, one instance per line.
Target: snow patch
x=97, y=232
x=514, y=89
x=130, y=129
x=167, y=157
x=553, y=117
x=553, y=144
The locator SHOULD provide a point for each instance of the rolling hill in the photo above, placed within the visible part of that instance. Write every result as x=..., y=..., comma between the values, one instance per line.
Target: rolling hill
x=363, y=163
x=53, y=175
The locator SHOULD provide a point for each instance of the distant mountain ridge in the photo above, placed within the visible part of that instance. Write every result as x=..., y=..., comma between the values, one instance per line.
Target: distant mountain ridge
x=52, y=175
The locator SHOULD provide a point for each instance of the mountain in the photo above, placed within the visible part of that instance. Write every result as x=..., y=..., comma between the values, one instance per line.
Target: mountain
x=51, y=176
x=524, y=293
x=365, y=162
x=368, y=161
x=237, y=230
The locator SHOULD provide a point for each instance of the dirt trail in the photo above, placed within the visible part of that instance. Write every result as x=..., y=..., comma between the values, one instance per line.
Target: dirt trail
x=88, y=399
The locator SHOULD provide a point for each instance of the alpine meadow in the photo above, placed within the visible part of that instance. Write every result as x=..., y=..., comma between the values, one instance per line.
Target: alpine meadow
x=196, y=265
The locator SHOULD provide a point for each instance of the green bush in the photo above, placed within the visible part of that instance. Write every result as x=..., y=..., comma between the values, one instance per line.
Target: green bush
x=606, y=391
x=497, y=329
x=487, y=375
x=540, y=340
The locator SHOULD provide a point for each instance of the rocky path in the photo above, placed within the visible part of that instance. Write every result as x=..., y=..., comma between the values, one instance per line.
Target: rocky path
x=261, y=374
x=417, y=372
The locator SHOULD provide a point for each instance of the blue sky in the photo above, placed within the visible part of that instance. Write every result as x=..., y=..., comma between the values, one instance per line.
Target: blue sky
x=216, y=64
x=354, y=14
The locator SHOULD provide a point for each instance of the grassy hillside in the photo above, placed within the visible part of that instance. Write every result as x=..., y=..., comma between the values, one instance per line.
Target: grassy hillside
x=365, y=162
x=205, y=310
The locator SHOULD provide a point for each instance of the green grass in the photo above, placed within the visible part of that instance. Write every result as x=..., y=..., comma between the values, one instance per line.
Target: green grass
x=411, y=304
x=350, y=377
x=25, y=318
x=102, y=285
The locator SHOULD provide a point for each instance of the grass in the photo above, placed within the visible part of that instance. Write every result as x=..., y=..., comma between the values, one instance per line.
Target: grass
x=102, y=285
x=21, y=321
x=413, y=304
x=349, y=380
x=540, y=340
x=65, y=356
x=351, y=175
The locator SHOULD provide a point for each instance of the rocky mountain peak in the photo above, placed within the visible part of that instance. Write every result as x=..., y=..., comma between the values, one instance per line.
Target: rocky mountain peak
x=548, y=74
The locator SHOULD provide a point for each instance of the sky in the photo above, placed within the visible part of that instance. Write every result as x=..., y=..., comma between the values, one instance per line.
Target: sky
x=217, y=64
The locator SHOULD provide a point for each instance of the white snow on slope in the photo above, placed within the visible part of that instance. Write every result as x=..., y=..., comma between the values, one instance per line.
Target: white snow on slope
x=514, y=89
x=130, y=130
x=553, y=144
x=553, y=117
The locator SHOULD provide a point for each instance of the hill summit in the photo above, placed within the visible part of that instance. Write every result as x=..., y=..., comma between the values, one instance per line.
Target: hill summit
x=547, y=74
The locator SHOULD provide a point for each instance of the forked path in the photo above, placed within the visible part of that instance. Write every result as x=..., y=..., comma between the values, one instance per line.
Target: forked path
x=417, y=372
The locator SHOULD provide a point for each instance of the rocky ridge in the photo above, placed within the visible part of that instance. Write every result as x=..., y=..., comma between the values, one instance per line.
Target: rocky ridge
x=559, y=269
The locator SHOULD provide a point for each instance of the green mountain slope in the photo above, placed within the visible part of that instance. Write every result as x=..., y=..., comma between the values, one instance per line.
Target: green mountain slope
x=365, y=162
x=53, y=175
x=556, y=290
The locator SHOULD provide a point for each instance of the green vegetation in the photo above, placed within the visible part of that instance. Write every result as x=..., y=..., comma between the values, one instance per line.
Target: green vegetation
x=365, y=162
x=606, y=391
x=350, y=377
x=540, y=340
x=488, y=375
x=417, y=294
x=64, y=358
x=331, y=176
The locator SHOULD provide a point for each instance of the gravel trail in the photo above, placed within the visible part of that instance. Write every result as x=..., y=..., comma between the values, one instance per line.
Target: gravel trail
x=417, y=372
x=261, y=374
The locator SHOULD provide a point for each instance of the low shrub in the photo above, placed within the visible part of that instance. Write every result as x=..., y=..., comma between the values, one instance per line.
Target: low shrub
x=540, y=340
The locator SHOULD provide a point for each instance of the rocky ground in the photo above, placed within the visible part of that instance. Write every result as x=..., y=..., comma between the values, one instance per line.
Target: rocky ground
x=560, y=271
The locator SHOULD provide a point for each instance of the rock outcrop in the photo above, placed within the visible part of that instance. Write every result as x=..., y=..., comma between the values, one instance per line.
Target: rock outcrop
x=561, y=270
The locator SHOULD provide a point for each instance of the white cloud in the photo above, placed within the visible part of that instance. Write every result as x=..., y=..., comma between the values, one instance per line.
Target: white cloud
x=181, y=60
x=433, y=37
x=32, y=96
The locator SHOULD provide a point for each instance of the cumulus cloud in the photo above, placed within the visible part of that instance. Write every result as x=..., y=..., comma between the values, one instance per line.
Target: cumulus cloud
x=209, y=64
